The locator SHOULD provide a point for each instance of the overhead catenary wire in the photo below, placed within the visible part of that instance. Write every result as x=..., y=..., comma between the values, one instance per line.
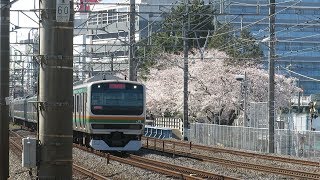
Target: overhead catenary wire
x=154, y=21
x=313, y=79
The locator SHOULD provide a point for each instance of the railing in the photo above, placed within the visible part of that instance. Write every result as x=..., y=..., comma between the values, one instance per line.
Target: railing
x=173, y=123
x=304, y=100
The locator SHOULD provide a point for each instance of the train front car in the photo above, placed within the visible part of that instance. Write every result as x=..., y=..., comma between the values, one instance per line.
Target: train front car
x=117, y=115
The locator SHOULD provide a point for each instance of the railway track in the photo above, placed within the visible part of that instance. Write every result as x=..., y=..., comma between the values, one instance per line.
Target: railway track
x=160, y=167
x=15, y=142
x=144, y=163
x=186, y=170
x=269, y=169
x=229, y=151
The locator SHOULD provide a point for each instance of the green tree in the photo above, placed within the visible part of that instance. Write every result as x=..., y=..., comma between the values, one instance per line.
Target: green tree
x=248, y=47
x=242, y=48
x=169, y=38
x=198, y=19
x=200, y=22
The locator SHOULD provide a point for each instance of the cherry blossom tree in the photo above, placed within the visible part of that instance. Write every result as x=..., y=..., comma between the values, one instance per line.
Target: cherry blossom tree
x=213, y=88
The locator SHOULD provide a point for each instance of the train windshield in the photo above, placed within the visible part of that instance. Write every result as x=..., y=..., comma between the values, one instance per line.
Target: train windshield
x=117, y=99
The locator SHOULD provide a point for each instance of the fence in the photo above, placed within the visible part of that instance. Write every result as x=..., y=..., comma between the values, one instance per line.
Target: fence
x=258, y=117
x=287, y=142
x=258, y=114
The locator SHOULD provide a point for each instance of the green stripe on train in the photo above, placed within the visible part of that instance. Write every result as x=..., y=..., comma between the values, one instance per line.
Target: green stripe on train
x=19, y=113
x=80, y=90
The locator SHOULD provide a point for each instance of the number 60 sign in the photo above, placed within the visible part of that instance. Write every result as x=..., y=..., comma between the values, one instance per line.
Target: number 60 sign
x=63, y=10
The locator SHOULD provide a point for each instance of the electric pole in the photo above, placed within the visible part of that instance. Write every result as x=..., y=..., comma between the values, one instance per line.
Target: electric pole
x=55, y=89
x=245, y=89
x=185, y=67
x=272, y=10
x=4, y=89
x=111, y=63
x=132, y=42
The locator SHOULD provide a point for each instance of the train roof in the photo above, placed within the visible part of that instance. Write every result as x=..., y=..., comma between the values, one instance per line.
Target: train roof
x=25, y=97
x=104, y=81
x=98, y=77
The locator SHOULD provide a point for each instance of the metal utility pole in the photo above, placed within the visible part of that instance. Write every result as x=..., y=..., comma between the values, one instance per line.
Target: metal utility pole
x=111, y=63
x=185, y=68
x=55, y=90
x=245, y=89
x=4, y=89
x=132, y=42
x=272, y=10
x=299, y=96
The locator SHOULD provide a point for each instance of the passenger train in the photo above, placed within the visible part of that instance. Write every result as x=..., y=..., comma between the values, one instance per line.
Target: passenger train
x=107, y=114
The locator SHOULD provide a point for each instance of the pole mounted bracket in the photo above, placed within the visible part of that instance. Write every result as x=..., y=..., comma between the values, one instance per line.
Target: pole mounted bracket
x=43, y=15
x=6, y=101
x=54, y=106
x=3, y=102
x=55, y=61
x=40, y=59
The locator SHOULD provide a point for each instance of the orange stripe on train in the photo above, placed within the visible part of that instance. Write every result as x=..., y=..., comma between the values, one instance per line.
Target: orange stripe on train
x=115, y=118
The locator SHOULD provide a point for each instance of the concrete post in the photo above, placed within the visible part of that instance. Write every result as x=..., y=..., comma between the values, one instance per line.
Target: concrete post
x=4, y=89
x=132, y=42
x=271, y=74
x=55, y=90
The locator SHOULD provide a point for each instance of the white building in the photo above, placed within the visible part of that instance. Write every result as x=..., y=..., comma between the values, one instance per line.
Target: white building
x=102, y=45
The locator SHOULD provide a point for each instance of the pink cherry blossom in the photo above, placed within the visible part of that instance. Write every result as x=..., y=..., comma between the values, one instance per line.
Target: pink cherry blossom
x=212, y=84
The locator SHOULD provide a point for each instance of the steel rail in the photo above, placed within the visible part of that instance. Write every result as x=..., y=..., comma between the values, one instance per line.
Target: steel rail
x=89, y=173
x=232, y=163
x=238, y=152
x=158, y=166
x=195, y=172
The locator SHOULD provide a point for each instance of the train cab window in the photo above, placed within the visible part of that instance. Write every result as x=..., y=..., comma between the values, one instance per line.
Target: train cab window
x=117, y=99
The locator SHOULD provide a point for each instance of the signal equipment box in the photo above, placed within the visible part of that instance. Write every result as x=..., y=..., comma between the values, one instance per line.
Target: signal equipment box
x=29, y=152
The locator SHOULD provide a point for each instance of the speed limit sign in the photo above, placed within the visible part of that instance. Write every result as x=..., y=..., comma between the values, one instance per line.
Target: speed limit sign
x=63, y=10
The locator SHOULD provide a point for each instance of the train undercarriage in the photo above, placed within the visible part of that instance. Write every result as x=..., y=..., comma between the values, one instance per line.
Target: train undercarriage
x=115, y=141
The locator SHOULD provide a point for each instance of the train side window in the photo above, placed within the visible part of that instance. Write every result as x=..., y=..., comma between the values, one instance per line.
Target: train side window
x=73, y=105
x=80, y=103
x=85, y=102
x=77, y=108
x=83, y=105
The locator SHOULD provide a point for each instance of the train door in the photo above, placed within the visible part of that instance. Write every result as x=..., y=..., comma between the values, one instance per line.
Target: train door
x=25, y=110
x=74, y=111
x=80, y=110
x=84, y=102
